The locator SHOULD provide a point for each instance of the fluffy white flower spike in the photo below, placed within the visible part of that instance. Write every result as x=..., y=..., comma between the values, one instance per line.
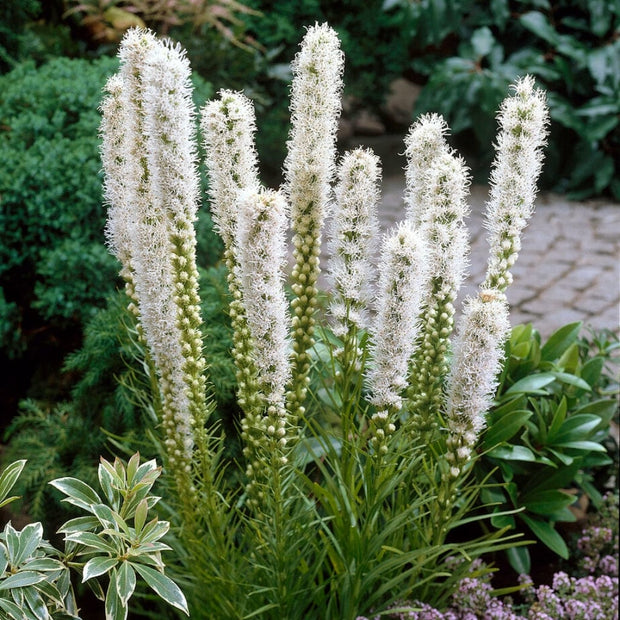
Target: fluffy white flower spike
x=478, y=354
x=523, y=120
x=152, y=187
x=261, y=248
x=228, y=125
x=441, y=225
x=424, y=143
x=308, y=170
x=402, y=273
x=353, y=231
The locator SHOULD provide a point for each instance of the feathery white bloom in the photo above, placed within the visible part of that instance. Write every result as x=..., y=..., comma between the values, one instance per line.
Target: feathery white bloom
x=353, y=231
x=261, y=249
x=523, y=119
x=228, y=125
x=153, y=187
x=476, y=363
x=117, y=194
x=424, y=143
x=442, y=223
x=402, y=273
x=315, y=109
x=308, y=169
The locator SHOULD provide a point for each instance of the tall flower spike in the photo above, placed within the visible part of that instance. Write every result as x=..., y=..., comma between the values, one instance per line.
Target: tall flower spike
x=149, y=120
x=523, y=119
x=353, y=231
x=476, y=363
x=443, y=230
x=402, y=274
x=228, y=125
x=261, y=248
x=424, y=143
x=309, y=167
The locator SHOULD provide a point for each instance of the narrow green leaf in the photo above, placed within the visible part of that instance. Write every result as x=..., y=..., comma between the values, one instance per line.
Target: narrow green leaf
x=163, y=586
x=519, y=559
x=558, y=419
x=546, y=533
x=140, y=516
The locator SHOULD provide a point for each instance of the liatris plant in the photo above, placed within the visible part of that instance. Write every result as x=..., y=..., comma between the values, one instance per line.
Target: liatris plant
x=358, y=425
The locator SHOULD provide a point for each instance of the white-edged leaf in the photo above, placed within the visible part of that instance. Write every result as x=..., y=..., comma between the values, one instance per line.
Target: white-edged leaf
x=97, y=566
x=22, y=579
x=163, y=586
x=78, y=493
x=29, y=539
x=125, y=582
x=8, y=478
x=92, y=540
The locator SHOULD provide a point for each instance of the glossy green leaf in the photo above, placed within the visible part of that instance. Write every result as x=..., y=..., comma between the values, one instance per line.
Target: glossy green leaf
x=560, y=340
x=538, y=23
x=569, y=379
x=482, y=41
x=505, y=427
x=580, y=445
x=163, y=586
x=546, y=533
x=578, y=426
x=548, y=501
x=532, y=384
x=513, y=453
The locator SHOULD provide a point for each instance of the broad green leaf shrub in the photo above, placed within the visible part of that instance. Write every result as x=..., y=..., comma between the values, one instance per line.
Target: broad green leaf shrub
x=548, y=433
x=467, y=53
x=50, y=194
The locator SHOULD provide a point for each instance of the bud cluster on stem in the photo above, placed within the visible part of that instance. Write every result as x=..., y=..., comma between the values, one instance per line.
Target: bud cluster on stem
x=308, y=168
